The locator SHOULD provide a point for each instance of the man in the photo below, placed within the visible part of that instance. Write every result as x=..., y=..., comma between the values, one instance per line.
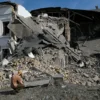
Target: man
x=16, y=81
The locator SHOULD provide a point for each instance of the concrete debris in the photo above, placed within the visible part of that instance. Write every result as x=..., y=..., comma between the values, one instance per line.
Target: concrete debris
x=84, y=83
x=96, y=78
x=88, y=83
x=58, y=76
x=37, y=83
x=81, y=64
x=46, y=44
x=5, y=62
x=31, y=55
x=86, y=75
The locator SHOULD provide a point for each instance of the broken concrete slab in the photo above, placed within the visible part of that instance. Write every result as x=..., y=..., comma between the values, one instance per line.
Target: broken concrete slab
x=31, y=55
x=62, y=58
x=96, y=78
x=85, y=75
x=37, y=83
x=5, y=62
x=58, y=76
x=58, y=79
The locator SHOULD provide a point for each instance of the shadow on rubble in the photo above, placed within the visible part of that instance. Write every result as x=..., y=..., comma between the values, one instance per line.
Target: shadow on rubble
x=96, y=55
x=93, y=38
x=97, y=62
x=88, y=38
x=9, y=92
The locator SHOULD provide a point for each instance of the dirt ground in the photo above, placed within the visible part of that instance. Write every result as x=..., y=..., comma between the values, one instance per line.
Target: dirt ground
x=90, y=47
x=60, y=92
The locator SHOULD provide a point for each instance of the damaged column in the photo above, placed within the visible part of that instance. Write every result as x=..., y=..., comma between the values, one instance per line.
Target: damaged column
x=67, y=31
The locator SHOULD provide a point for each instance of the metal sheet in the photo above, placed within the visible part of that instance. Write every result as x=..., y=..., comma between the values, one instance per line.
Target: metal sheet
x=6, y=18
x=4, y=42
x=5, y=12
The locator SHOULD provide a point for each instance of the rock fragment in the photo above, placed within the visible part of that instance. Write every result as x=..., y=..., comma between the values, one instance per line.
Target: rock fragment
x=85, y=75
x=96, y=78
x=89, y=84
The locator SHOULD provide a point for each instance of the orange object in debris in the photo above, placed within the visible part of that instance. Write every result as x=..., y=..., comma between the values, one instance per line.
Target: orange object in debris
x=16, y=81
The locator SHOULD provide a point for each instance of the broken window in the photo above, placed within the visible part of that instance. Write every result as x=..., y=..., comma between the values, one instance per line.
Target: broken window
x=6, y=30
x=5, y=53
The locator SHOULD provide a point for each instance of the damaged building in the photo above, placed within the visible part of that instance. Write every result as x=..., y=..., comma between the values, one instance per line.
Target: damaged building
x=23, y=33
x=8, y=39
x=64, y=29
x=50, y=41
x=82, y=22
x=61, y=28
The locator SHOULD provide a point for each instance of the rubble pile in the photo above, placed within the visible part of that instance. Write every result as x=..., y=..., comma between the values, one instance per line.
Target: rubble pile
x=42, y=46
x=50, y=64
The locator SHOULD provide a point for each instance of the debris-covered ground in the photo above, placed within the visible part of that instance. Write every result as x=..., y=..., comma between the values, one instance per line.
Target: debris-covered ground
x=38, y=68
x=79, y=82
x=68, y=92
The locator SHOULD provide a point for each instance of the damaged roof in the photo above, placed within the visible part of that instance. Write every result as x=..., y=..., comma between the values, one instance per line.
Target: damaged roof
x=76, y=15
x=59, y=9
x=9, y=3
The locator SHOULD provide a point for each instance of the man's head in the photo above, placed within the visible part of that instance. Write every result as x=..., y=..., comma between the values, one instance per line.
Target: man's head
x=20, y=72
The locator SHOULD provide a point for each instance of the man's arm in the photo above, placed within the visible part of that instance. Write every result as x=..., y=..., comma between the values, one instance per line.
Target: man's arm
x=20, y=81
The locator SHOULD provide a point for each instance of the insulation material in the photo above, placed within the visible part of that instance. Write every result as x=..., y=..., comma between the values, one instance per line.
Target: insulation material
x=23, y=12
